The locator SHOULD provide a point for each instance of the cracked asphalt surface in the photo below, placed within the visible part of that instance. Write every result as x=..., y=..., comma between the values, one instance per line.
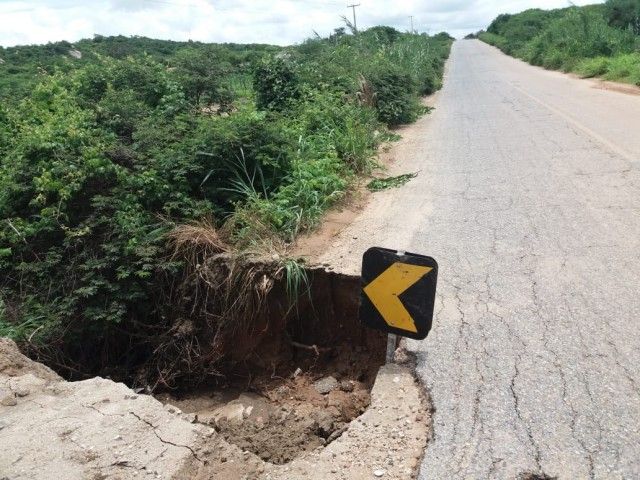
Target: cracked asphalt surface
x=529, y=198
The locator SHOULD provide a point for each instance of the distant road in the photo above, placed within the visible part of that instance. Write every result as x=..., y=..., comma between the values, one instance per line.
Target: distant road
x=529, y=197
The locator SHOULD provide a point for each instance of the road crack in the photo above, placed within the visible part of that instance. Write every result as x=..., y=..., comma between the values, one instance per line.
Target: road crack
x=166, y=442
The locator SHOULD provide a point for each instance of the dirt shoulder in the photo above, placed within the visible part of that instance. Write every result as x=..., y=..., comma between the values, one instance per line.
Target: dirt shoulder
x=614, y=86
x=314, y=245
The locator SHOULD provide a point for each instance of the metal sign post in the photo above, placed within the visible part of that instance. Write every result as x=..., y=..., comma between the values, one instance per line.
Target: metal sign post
x=392, y=343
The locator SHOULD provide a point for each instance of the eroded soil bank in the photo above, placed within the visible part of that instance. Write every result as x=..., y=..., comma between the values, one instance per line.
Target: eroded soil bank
x=293, y=390
x=291, y=375
x=238, y=318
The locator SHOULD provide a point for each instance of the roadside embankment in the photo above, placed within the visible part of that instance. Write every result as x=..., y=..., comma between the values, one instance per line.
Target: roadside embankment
x=592, y=41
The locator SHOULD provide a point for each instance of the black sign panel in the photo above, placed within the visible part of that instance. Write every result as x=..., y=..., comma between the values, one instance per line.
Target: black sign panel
x=398, y=292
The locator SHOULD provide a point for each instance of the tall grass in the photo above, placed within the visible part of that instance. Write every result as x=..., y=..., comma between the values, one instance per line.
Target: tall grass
x=625, y=68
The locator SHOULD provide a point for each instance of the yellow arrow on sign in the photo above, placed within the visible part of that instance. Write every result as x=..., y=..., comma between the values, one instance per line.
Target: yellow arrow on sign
x=386, y=288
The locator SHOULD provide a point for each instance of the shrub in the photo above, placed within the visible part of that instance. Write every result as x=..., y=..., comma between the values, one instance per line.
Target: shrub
x=624, y=68
x=396, y=102
x=494, y=39
x=574, y=35
x=593, y=67
x=201, y=73
x=5, y=130
x=372, y=53
x=276, y=83
x=82, y=238
x=517, y=30
x=247, y=147
x=422, y=59
x=624, y=14
x=316, y=181
x=351, y=128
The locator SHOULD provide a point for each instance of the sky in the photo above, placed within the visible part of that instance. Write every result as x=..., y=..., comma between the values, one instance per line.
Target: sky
x=281, y=22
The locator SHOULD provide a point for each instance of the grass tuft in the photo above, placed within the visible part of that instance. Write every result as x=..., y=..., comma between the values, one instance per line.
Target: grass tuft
x=297, y=280
x=380, y=184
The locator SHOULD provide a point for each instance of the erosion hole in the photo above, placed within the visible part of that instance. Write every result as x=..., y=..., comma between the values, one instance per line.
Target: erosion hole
x=307, y=374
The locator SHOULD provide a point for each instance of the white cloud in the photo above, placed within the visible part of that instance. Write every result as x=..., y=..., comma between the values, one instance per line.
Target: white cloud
x=266, y=21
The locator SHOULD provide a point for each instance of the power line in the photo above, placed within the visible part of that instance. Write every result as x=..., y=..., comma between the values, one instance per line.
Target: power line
x=355, y=22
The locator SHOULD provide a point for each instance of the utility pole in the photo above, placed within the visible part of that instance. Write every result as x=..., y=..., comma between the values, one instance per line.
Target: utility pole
x=355, y=23
x=411, y=17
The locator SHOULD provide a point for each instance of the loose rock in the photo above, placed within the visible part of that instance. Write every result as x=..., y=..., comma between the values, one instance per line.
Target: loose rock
x=7, y=399
x=326, y=385
x=22, y=391
x=346, y=386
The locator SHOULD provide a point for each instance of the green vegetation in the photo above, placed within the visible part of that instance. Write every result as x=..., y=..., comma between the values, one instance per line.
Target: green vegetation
x=624, y=14
x=380, y=184
x=21, y=68
x=595, y=40
x=103, y=157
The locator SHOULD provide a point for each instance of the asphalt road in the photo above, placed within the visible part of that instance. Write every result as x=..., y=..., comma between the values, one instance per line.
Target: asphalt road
x=529, y=197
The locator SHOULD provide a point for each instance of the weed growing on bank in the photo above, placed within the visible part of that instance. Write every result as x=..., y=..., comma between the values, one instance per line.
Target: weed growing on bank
x=379, y=184
x=595, y=40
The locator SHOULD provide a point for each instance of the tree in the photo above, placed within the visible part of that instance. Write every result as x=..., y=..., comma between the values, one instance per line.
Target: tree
x=496, y=26
x=385, y=35
x=337, y=34
x=276, y=82
x=202, y=71
x=624, y=14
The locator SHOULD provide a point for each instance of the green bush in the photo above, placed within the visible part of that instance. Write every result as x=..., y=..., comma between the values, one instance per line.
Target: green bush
x=625, y=68
x=593, y=67
x=202, y=73
x=422, y=59
x=396, y=102
x=81, y=234
x=334, y=140
x=494, y=39
x=578, y=34
x=316, y=180
x=382, y=57
x=624, y=14
x=247, y=145
x=276, y=83
x=517, y=30
x=351, y=128
x=24, y=66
